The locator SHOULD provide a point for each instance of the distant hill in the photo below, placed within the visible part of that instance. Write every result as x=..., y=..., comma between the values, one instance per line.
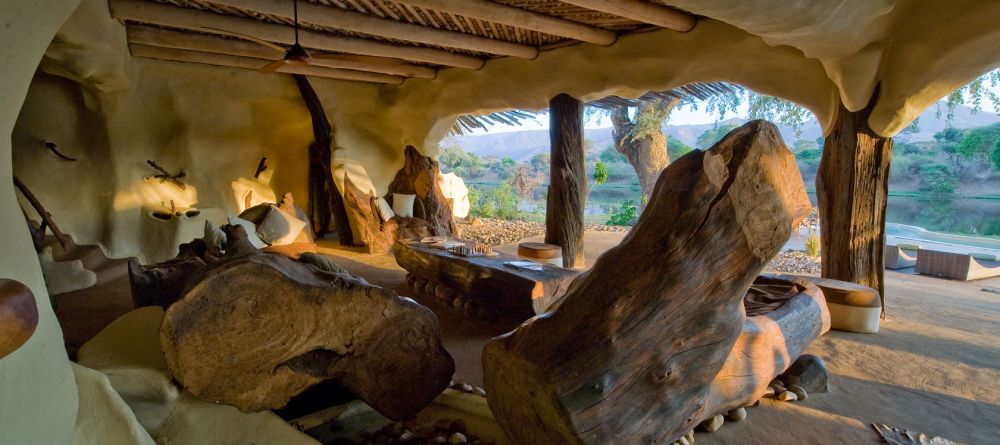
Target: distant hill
x=522, y=145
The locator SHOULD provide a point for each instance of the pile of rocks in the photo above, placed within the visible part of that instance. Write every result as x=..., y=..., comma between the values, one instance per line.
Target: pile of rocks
x=793, y=261
x=445, y=431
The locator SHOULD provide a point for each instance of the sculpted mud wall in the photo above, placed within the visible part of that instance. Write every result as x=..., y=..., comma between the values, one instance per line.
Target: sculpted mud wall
x=113, y=113
x=38, y=396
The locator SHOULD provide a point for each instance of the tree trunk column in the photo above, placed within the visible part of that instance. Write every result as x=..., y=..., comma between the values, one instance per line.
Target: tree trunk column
x=852, y=187
x=568, y=184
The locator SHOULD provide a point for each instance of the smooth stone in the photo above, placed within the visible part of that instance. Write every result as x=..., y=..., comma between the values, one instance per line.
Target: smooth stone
x=799, y=391
x=769, y=392
x=713, y=423
x=809, y=372
x=465, y=387
x=737, y=415
x=440, y=439
x=407, y=436
x=458, y=439
x=787, y=396
x=479, y=391
x=690, y=437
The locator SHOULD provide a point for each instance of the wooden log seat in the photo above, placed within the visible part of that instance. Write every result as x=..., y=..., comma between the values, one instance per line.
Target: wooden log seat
x=853, y=307
x=252, y=329
x=482, y=286
x=18, y=315
x=653, y=339
x=541, y=253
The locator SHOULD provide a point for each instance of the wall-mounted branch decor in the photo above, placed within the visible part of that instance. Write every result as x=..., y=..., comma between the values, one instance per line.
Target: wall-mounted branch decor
x=261, y=166
x=47, y=222
x=55, y=150
x=165, y=176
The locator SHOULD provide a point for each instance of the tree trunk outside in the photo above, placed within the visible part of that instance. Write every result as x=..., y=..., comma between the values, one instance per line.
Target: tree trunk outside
x=646, y=152
x=568, y=184
x=853, y=187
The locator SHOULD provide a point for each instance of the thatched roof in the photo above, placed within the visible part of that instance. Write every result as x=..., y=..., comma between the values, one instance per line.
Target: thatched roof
x=383, y=41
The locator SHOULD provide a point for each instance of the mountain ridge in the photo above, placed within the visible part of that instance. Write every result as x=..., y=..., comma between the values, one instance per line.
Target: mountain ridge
x=522, y=145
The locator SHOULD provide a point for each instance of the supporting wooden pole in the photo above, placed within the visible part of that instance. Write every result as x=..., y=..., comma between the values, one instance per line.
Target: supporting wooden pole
x=324, y=196
x=568, y=184
x=852, y=187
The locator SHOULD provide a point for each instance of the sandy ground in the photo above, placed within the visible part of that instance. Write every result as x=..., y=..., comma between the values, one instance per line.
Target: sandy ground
x=933, y=368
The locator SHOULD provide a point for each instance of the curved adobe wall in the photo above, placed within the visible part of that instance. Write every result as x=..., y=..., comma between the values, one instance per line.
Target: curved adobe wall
x=38, y=397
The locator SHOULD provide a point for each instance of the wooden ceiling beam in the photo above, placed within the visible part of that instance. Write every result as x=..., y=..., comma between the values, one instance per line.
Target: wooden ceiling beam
x=334, y=17
x=165, y=38
x=250, y=63
x=185, y=18
x=641, y=11
x=516, y=17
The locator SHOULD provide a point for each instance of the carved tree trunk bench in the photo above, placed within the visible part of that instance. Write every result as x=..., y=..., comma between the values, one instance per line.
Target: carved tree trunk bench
x=482, y=285
x=653, y=339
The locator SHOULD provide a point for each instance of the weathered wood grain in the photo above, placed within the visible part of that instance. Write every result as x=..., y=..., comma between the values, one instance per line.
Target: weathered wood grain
x=486, y=281
x=633, y=354
x=255, y=330
x=568, y=179
x=852, y=188
x=419, y=177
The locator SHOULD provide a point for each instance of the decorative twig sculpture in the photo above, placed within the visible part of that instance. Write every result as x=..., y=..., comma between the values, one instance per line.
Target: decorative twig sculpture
x=47, y=221
x=165, y=176
x=633, y=355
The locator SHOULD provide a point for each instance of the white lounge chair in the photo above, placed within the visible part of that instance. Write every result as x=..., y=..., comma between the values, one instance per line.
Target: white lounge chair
x=900, y=255
x=959, y=266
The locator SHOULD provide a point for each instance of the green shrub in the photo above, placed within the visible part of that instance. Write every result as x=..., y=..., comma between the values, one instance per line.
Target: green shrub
x=600, y=172
x=936, y=178
x=624, y=215
x=500, y=203
x=812, y=245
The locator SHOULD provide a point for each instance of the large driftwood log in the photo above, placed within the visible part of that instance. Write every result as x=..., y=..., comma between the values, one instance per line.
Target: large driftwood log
x=254, y=329
x=419, y=177
x=852, y=188
x=324, y=197
x=633, y=355
x=378, y=236
x=568, y=184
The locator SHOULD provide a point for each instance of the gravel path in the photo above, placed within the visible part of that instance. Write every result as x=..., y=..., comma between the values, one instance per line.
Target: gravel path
x=497, y=232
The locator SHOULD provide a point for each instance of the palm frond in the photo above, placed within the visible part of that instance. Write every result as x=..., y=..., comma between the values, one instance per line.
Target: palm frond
x=686, y=93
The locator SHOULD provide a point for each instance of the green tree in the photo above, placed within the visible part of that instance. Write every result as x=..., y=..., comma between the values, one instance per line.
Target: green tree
x=540, y=162
x=709, y=137
x=995, y=155
x=804, y=144
x=677, y=148
x=610, y=155
x=600, y=173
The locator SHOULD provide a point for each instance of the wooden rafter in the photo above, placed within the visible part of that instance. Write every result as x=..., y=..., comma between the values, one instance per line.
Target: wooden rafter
x=338, y=18
x=180, y=55
x=151, y=36
x=508, y=15
x=641, y=11
x=185, y=18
